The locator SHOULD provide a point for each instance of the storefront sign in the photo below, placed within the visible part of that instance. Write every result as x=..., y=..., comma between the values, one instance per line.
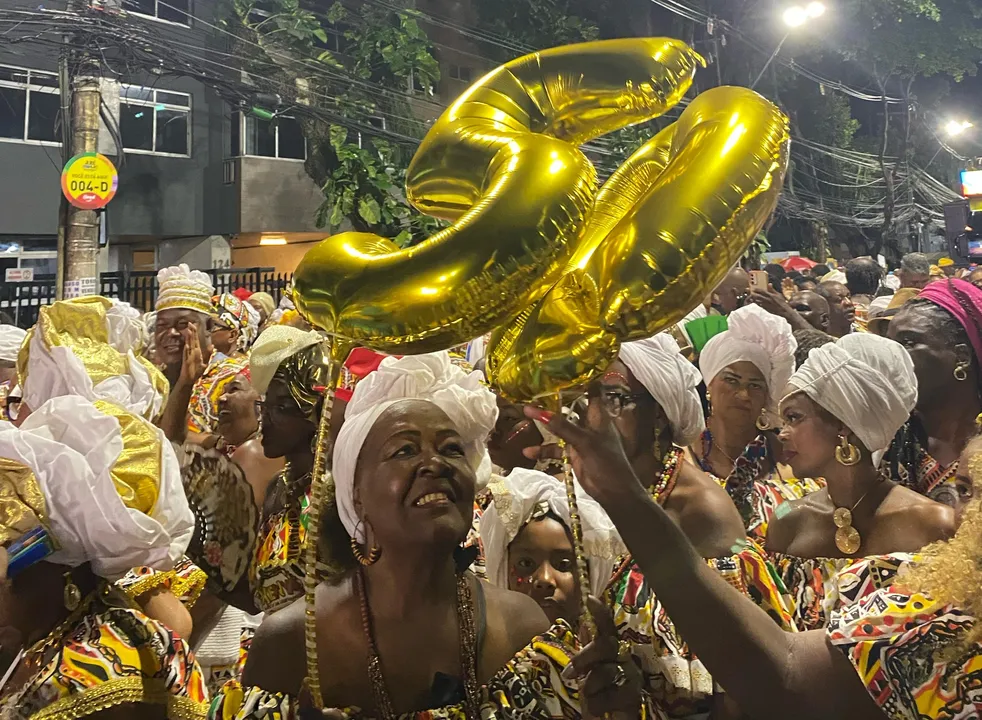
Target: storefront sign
x=16, y=275
x=89, y=181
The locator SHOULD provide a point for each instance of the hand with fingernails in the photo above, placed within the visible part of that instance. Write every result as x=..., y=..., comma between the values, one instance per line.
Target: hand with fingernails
x=610, y=681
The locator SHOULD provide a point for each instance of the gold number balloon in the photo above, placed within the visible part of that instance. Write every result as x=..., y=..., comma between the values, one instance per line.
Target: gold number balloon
x=664, y=230
x=502, y=162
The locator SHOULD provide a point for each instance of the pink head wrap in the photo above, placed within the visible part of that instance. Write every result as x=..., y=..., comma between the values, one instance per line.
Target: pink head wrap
x=942, y=294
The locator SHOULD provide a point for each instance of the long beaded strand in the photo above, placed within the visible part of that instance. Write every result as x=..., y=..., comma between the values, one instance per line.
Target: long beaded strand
x=576, y=527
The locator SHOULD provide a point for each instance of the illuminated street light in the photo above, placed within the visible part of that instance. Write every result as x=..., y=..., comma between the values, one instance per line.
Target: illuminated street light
x=957, y=127
x=794, y=17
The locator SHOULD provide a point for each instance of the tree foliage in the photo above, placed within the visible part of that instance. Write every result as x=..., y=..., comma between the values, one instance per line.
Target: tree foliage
x=366, y=83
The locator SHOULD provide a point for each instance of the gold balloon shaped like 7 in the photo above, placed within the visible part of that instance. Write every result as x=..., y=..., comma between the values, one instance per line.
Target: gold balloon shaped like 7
x=663, y=231
x=502, y=163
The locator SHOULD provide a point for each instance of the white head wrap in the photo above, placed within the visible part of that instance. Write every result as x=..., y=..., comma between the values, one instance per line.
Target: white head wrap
x=11, y=338
x=864, y=380
x=182, y=287
x=469, y=405
x=276, y=344
x=671, y=380
x=69, y=354
x=516, y=498
x=834, y=276
x=753, y=335
x=72, y=448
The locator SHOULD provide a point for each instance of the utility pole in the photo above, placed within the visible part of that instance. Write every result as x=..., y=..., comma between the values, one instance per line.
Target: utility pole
x=78, y=234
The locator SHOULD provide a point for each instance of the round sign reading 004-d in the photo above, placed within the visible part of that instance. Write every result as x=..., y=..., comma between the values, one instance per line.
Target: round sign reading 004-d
x=89, y=181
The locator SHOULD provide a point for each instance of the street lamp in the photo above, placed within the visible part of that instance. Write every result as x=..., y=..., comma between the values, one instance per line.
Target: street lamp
x=794, y=17
x=957, y=127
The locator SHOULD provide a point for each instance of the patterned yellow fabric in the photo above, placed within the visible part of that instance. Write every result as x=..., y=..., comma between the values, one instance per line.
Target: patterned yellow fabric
x=203, y=407
x=277, y=569
x=22, y=505
x=113, y=655
x=907, y=650
x=677, y=681
x=528, y=686
x=186, y=582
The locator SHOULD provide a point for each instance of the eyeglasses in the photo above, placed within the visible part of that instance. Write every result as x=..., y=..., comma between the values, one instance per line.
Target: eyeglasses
x=280, y=408
x=616, y=402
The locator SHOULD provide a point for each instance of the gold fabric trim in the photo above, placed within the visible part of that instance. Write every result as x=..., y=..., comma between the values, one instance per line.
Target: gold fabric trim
x=119, y=692
x=81, y=326
x=137, y=471
x=189, y=588
x=151, y=582
x=22, y=504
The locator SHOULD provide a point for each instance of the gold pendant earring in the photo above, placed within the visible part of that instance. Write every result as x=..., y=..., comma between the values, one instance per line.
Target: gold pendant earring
x=762, y=422
x=846, y=453
x=72, y=596
x=961, y=375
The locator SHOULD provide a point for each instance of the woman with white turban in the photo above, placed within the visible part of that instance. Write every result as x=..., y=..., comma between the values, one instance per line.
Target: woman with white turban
x=745, y=369
x=650, y=394
x=89, y=488
x=528, y=543
x=412, y=633
x=840, y=412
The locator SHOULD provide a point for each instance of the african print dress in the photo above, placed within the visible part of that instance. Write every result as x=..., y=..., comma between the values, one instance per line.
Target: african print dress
x=756, y=491
x=530, y=685
x=112, y=655
x=677, y=681
x=820, y=586
x=909, y=652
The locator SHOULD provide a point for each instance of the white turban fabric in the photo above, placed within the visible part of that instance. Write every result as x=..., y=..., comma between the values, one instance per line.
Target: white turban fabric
x=184, y=288
x=11, y=338
x=864, y=380
x=753, y=335
x=90, y=347
x=73, y=448
x=516, y=500
x=469, y=405
x=671, y=380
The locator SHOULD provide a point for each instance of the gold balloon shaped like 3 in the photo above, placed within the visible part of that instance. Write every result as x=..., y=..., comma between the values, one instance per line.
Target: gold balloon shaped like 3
x=662, y=233
x=502, y=163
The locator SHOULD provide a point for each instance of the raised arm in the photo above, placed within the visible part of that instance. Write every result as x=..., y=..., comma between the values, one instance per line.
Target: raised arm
x=772, y=674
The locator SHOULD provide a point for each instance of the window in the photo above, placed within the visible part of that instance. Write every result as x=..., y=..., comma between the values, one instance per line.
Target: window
x=460, y=72
x=175, y=11
x=419, y=86
x=155, y=121
x=29, y=105
x=280, y=137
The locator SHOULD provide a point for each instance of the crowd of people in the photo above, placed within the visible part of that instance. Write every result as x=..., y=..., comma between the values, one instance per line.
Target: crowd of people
x=777, y=500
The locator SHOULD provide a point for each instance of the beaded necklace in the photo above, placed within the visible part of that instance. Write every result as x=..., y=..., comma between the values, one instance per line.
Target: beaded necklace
x=663, y=487
x=467, y=634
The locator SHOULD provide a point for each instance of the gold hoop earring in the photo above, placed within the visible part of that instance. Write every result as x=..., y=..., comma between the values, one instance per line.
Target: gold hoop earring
x=72, y=596
x=762, y=421
x=960, y=373
x=373, y=554
x=846, y=453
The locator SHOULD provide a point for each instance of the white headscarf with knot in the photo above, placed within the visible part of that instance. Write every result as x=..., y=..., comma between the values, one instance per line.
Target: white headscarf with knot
x=11, y=338
x=470, y=406
x=753, y=335
x=864, y=380
x=526, y=494
x=671, y=380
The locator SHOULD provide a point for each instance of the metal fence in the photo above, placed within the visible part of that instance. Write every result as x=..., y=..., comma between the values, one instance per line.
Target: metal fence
x=21, y=301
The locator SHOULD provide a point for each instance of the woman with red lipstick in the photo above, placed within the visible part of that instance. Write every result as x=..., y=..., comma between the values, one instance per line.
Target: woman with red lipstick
x=840, y=411
x=745, y=369
x=404, y=630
